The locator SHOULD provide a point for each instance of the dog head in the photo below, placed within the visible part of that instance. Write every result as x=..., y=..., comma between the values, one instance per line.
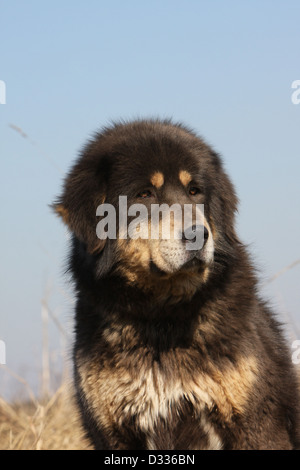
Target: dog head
x=151, y=202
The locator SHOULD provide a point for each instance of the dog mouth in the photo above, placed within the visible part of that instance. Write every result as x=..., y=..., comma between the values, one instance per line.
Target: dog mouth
x=154, y=269
x=194, y=262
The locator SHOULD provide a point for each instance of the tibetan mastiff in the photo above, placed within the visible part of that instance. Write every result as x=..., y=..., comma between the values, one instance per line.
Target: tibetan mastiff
x=174, y=348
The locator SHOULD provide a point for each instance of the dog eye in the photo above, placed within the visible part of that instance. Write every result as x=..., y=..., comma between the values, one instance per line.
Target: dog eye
x=145, y=194
x=193, y=191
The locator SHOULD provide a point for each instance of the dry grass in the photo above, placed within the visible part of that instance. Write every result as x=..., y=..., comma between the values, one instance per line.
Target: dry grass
x=52, y=425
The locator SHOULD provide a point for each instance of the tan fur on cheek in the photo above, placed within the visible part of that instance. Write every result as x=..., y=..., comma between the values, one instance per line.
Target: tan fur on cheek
x=135, y=258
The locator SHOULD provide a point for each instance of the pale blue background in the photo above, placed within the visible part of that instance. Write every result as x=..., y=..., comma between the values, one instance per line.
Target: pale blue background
x=225, y=68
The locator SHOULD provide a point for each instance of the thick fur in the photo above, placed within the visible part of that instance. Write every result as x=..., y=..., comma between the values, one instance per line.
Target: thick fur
x=190, y=359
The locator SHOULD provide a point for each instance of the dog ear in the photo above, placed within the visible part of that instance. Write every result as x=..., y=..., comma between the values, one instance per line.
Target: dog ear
x=84, y=190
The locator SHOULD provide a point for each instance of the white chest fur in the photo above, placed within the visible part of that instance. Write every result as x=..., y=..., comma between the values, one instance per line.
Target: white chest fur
x=148, y=392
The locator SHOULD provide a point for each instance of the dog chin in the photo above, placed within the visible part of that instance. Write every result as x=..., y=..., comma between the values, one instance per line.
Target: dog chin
x=190, y=262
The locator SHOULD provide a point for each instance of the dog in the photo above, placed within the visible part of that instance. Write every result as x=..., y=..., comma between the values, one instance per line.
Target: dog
x=174, y=348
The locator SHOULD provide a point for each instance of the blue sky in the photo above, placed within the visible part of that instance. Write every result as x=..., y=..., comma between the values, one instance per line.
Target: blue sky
x=223, y=68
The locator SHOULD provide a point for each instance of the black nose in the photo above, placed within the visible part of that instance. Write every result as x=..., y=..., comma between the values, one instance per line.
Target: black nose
x=191, y=234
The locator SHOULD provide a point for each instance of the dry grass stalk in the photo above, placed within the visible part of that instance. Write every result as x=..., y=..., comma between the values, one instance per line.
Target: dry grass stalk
x=52, y=425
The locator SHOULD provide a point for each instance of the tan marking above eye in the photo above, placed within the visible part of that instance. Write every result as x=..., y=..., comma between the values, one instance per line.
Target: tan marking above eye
x=185, y=177
x=157, y=179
